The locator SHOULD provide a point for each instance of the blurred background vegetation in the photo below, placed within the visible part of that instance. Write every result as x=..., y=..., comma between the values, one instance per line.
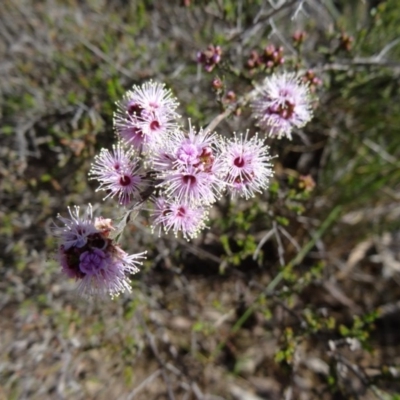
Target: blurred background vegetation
x=292, y=295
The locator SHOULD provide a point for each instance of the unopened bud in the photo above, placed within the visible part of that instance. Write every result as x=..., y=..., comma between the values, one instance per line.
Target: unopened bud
x=230, y=95
x=346, y=42
x=217, y=83
x=298, y=38
x=209, y=57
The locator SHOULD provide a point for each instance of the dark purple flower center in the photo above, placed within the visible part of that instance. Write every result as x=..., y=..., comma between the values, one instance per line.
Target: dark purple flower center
x=71, y=257
x=189, y=179
x=125, y=180
x=285, y=110
x=154, y=125
x=238, y=162
x=181, y=211
x=134, y=109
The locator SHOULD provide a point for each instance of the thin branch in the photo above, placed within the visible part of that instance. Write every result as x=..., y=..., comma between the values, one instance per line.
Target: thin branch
x=148, y=380
x=259, y=20
x=104, y=57
x=298, y=9
x=289, y=237
x=281, y=250
x=387, y=48
x=358, y=62
x=276, y=31
x=154, y=349
x=265, y=238
x=220, y=117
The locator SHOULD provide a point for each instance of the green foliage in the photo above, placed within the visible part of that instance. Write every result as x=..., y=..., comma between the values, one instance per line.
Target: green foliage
x=360, y=328
x=287, y=348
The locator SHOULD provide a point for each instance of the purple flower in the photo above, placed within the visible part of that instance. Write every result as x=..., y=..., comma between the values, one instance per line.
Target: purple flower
x=145, y=115
x=119, y=173
x=191, y=186
x=281, y=103
x=195, y=149
x=154, y=128
x=131, y=134
x=77, y=228
x=247, y=165
x=179, y=217
x=185, y=149
x=188, y=168
x=93, y=258
x=153, y=97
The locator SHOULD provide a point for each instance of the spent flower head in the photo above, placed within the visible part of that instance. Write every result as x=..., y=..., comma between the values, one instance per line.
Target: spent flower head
x=281, y=103
x=87, y=253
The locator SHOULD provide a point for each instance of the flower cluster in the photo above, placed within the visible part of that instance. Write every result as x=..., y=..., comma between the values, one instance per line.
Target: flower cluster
x=209, y=57
x=180, y=172
x=189, y=181
x=87, y=253
x=270, y=58
x=176, y=173
x=312, y=80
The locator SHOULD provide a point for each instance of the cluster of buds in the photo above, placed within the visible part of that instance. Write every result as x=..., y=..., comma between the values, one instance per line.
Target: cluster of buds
x=298, y=38
x=254, y=61
x=270, y=58
x=210, y=57
x=306, y=183
x=312, y=80
x=345, y=42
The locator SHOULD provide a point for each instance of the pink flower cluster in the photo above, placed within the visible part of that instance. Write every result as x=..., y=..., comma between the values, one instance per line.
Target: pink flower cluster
x=181, y=172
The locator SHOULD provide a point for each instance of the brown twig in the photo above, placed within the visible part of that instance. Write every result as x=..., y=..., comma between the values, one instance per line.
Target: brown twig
x=160, y=361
